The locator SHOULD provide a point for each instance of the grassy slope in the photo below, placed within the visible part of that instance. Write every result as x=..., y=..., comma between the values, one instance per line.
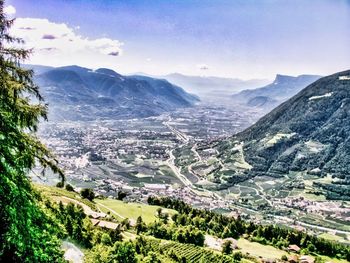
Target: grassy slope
x=131, y=210
x=55, y=192
x=122, y=210
x=256, y=249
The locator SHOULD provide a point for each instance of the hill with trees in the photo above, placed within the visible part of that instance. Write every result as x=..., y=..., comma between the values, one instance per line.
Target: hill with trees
x=309, y=133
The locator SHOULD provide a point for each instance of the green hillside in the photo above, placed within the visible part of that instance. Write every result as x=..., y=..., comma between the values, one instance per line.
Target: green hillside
x=168, y=230
x=309, y=133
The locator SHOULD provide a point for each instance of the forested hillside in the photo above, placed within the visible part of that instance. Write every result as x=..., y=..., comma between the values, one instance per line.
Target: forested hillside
x=308, y=133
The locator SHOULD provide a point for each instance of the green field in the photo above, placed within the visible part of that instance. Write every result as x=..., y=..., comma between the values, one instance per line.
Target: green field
x=119, y=209
x=55, y=193
x=313, y=197
x=333, y=260
x=256, y=249
x=123, y=210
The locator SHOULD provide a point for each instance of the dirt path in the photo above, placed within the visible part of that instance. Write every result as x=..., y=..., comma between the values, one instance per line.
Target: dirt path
x=87, y=209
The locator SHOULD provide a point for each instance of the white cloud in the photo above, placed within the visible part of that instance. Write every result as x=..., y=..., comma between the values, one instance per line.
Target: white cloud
x=10, y=10
x=62, y=44
x=202, y=67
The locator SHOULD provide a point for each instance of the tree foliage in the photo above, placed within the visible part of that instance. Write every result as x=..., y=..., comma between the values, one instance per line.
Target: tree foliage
x=69, y=188
x=87, y=193
x=27, y=234
x=223, y=226
x=227, y=247
x=122, y=252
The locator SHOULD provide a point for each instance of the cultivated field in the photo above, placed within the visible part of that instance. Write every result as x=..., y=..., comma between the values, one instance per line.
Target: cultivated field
x=122, y=210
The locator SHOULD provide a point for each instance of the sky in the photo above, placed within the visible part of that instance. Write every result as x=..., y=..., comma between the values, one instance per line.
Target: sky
x=233, y=38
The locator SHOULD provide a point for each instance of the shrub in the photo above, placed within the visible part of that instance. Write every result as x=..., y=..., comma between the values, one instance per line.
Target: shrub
x=60, y=185
x=69, y=188
x=87, y=193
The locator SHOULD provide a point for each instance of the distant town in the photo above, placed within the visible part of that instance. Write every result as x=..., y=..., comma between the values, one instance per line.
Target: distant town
x=134, y=157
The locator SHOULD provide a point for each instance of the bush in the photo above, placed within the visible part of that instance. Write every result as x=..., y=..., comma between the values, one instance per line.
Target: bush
x=284, y=258
x=121, y=195
x=87, y=193
x=60, y=185
x=106, y=239
x=237, y=256
x=69, y=188
x=124, y=252
x=227, y=247
x=152, y=257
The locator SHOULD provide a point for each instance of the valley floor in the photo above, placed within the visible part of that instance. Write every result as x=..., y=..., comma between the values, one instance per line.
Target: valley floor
x=138, y=157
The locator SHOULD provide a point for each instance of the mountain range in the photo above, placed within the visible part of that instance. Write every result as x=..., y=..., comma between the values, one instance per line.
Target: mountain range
x=269, y=96
x=77, y=93
x=308, y=135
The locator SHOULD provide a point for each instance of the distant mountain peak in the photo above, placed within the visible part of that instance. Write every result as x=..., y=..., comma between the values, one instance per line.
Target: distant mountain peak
x=107, y=71
x=282, y=88
x=75, y=68
x=282, y=78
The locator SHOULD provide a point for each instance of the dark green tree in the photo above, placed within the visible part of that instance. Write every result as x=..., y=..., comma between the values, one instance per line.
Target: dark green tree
x=27, y=233
x=121, y=195
x=106, y=239
x=227, y=247
x=159, y=212
x=69, y=188
x=237, y=256
x=125, y=223
x=124, y=252
x=60, y=184
x=87, y=193
x=140, y=225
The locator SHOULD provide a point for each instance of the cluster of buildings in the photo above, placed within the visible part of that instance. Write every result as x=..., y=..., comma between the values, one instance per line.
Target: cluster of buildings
x=74, y=143
x=331, y=210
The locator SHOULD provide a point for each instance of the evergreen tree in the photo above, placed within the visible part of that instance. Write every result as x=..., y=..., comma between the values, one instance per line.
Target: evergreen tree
x=27, y=233
x=140, y=225
x=227, y=247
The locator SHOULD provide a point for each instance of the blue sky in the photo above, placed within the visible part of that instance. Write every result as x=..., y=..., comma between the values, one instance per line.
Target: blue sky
x=245, y=39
